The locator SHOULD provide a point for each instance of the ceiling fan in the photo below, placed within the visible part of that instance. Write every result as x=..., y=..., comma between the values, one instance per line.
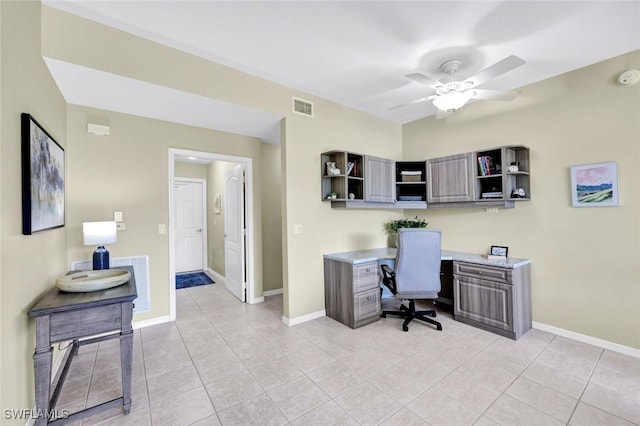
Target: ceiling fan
x=451, y=94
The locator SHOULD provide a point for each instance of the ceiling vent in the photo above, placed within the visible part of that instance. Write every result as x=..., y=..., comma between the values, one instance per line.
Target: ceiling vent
x=303, y=107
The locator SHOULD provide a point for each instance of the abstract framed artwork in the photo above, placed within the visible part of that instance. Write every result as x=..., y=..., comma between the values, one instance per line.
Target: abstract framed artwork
x=594, y=185
x=43, y=178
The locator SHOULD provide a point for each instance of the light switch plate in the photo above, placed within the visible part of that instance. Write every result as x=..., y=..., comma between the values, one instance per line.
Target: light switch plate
x=162, y=229
x=118, y=216
x=297, y=228
x=121, y=226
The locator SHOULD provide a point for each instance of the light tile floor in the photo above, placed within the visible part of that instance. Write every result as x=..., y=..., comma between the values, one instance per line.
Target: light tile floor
x=224, y=362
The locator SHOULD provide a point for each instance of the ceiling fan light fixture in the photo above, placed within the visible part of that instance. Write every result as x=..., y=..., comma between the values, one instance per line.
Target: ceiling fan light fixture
x=452, y=101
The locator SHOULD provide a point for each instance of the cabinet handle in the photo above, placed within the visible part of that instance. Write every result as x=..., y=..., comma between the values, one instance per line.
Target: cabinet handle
x=368, y=270
x=368, y=297
x=479, y=272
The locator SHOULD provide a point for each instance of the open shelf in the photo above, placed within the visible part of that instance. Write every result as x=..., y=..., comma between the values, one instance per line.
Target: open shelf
x=411, y=189
x=496, y=178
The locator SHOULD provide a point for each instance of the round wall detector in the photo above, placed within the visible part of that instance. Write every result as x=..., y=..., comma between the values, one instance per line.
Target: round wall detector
x=629, y=78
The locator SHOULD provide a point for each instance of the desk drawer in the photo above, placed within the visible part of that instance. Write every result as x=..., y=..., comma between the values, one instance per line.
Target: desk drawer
x=366, y=276
x=366, y=305
x=491, y=273
x=85, y=322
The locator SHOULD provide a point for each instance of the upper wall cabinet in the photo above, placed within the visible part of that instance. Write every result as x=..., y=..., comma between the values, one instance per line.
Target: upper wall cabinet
x=342, y=176
x=493, y=177
x=502, y=174
x=450, y=179
x=379, y=180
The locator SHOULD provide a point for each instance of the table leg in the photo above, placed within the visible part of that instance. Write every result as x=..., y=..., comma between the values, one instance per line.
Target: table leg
x=42, y=364
x=126, y=355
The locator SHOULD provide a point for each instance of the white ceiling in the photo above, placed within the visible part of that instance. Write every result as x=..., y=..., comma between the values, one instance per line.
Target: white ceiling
x=356, y=53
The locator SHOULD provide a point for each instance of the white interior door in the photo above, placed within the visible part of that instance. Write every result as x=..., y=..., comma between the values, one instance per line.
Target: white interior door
x=234, y=232
x=188, y=231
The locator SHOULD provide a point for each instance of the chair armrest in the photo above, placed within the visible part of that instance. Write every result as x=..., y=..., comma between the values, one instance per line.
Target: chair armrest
x=389, y=278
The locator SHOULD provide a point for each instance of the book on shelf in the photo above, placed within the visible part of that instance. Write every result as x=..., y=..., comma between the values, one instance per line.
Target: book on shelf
x=485, y=164
x=350, y=166
x=496, y=194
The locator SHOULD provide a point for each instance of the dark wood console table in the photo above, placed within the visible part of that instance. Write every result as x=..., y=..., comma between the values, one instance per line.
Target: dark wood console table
x=62, y=317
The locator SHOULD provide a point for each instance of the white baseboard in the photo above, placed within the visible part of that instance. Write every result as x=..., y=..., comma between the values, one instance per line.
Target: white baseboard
x=272, y=292
x=304, y=318
x=214, y=275
x=254, y=300
x=150, y=322
x=605, y=344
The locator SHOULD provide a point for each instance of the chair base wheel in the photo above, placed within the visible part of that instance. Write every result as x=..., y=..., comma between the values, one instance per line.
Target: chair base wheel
x=409, y=314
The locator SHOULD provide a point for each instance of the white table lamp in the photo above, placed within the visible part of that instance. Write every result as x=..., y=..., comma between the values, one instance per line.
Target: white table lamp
x=99, y=233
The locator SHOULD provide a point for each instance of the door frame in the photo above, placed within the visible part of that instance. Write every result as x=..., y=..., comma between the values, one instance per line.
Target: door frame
x=205, y=231
x=249, y=206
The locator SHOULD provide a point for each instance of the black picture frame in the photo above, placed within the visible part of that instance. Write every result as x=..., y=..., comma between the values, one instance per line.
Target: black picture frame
x=43, y=178
x=499, y=251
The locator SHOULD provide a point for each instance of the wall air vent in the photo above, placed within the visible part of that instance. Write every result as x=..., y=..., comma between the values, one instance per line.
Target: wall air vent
x=303, y=107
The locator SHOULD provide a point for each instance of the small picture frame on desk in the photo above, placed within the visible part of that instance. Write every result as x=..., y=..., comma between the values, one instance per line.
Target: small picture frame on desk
x=499, y=251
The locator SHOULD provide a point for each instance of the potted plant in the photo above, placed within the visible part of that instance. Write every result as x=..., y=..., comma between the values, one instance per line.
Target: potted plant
x=394, y=225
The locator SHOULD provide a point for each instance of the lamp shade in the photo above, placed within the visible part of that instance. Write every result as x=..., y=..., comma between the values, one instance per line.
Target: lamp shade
x=452, y=101
x=99, y=233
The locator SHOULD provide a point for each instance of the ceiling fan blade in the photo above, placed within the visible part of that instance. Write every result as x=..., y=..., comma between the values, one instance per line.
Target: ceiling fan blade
x=494, y=95
x=424, y=79
x=507, y=64
x=416, y=101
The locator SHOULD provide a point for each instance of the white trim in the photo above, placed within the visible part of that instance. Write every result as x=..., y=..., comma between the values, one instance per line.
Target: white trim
x=203, y=195
x=304, y=318
x=214, y=275
x=149, y=322
x=605, y=344
x=256, y=300
x=172, y=270
x=273, y=292
x=250, y=248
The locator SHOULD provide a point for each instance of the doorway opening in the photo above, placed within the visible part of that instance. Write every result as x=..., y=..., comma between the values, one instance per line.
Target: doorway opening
x=190, y=224
x=244, y=256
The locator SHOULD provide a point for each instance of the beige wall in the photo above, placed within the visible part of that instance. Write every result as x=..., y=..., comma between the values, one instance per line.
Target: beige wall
x=29, y=264
x=190, y=171
x=128, y=171
x=585, y=260
x=69, y=38
x=271, y=216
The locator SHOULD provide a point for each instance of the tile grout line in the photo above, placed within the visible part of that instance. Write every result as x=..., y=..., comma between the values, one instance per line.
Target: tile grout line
x=204, y=387
x=503, y=393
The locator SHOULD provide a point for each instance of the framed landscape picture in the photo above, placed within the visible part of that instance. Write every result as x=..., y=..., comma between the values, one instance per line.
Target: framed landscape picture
x=594, y=185
x=43, y=178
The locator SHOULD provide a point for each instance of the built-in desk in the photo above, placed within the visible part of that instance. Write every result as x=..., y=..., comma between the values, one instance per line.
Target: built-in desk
x=494, y=295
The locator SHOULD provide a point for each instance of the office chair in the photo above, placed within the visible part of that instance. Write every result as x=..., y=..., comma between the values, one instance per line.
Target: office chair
x=416, y=275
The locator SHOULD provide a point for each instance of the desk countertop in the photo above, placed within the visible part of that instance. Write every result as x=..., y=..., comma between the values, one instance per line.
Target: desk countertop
x=373, y=255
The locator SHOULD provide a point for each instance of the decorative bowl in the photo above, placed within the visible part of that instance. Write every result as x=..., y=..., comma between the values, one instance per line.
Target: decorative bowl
x=85, y=281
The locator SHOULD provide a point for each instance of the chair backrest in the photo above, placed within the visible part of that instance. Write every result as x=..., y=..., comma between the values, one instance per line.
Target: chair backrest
x=418, y=263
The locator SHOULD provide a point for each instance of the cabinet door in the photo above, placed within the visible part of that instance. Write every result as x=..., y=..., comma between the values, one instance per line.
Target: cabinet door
x=486, y=302
x=450, y=179
x=379, y=180
x=366, y=276
x=366, y=305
